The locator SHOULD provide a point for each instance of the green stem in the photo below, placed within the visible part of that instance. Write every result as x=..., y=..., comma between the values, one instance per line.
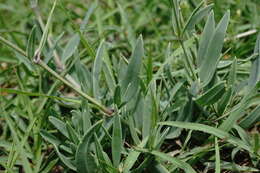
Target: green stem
x=92, y=100
x=187, y=60
x=11, y=45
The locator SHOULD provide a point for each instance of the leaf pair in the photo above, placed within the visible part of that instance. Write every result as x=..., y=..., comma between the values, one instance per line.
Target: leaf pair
x=210, y=47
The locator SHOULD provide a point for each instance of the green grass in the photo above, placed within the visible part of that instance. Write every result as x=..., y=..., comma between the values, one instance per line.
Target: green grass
x=129, y=86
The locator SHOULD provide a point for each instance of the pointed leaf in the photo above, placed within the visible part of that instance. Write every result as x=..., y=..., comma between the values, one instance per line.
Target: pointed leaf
x=117, y=142
x=212, y=95
x=210, y=61
x=255, y=69
x=70, y=48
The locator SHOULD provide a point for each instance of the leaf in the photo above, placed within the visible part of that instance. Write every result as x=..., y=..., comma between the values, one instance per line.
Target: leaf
x=210, y=130
x=212, y=95
x=45, y=31
x=251, y=118
x=97, y=67
x=238, y=113
x=179, y=163
x=31, y=43
x=61, y=126
x=99, y=152
x=134, y=66
x=67, y=161
x=73, y=136
x=255, y=69
x=196, y=16
x=212, y=55
x=50, y=138
x=206, y=36
x=84, y=76
x=232, y=74
x=83, y=154
x=91, y=9
x=117, y=95
x=70, y=48
x=127, y=25
x=117, y=141
x=133, y=156
x=224, y=101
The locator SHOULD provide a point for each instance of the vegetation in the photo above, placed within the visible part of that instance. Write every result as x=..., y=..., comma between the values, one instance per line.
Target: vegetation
x=129, y=86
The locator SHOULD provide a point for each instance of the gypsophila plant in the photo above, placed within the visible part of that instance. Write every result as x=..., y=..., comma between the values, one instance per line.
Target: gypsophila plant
x=122, y=86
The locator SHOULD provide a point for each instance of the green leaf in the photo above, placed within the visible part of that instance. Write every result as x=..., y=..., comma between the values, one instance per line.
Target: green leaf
x=134, y=66
x=84, y=159
x=88, y=14
x=224, y=101
x=61, y=126
x=67, y=161
x=255, y=69
x=212, y=95
x=117, y=141
x=70, y=48
x=212, y=55
x=210, y=130
x=196, y=16
x=97, y=67
x=251, y=118
x=206, y=36
x=127, y=25
x=73, y=136
x=133, y=157
x=84, y=76
x=50, y=138
x=45, y=31
x=232, y=74
x=238, y=113
x=117, y=96
x=31, y=43
x=179, y=163
x=99, y=152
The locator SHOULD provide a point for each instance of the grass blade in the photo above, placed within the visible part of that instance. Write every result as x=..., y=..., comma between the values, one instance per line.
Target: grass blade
x=207, y=35
x=83, y=155
x=213, y=51
x=212, y=95
x=210, y=130
x=134, y=65
x=196, y=16
x=255, y=69
x=117, y=142
x=97, y=67
x=70, y=48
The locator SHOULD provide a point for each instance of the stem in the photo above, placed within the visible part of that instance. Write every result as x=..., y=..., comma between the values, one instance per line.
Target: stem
x=187, y=60
x=11, y=45
x=92, y=100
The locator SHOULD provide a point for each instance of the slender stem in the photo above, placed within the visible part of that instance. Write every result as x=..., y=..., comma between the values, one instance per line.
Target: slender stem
x=187, y=60
x=92, y=100
x=11, y=45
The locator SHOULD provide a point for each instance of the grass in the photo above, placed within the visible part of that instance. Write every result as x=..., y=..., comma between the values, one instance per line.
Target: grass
x=129, y=86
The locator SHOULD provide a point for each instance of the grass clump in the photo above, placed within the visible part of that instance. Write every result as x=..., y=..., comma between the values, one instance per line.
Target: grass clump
x=142, y=86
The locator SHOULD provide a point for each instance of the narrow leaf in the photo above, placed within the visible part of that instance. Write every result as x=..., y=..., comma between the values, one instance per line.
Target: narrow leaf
x=210, y=130
x=212, y=95
x=117, y=142
x=255, y=69
x=97, y=67
x=209, y=64
x=70, y=48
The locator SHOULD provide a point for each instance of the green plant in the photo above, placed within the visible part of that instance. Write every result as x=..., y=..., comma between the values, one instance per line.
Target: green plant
x=85, y=106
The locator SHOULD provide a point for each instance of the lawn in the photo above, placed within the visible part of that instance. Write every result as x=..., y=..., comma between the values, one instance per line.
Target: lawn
x=118, y=86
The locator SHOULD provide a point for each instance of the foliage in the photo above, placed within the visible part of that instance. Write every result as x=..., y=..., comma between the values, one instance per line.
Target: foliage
x=129, y=86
